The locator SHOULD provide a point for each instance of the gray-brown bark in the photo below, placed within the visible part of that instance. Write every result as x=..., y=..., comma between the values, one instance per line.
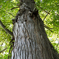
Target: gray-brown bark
x=29, y=3
x=31, y=41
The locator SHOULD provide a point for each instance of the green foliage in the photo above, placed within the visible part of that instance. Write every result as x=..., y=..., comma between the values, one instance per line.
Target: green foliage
x=6, y=16
x=45, y=7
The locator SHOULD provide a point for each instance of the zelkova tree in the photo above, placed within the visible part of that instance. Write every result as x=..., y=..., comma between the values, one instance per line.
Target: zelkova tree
x=31, y=41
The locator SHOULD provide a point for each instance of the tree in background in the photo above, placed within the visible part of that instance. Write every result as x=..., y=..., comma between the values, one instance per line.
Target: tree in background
x=29, y=38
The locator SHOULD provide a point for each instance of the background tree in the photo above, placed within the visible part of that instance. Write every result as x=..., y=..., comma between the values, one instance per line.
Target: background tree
x=48, y=11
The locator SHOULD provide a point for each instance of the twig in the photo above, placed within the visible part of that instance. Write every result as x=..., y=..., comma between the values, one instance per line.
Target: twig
x=3, y=50
x=4, y=27
x=44, y=10
x=14, y=8
x=45, y=16
x=57, y=14
x=11, y=14
x=48, y=28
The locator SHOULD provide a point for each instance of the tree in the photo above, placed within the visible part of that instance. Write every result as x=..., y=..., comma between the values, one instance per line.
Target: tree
x=31, y=41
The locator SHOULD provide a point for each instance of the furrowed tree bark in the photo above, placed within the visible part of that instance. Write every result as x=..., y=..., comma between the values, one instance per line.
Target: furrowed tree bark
x=31, y=41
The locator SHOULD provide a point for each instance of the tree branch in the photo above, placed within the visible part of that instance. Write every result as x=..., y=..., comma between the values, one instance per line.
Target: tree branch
x=11, y=14
x=44, y=10
x=14, y=8
x=4, y=27
x=48, y=28
x=45, y=16
x=3, y=50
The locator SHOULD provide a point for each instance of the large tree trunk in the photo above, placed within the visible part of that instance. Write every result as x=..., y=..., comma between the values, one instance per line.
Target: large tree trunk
x=31, y=41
